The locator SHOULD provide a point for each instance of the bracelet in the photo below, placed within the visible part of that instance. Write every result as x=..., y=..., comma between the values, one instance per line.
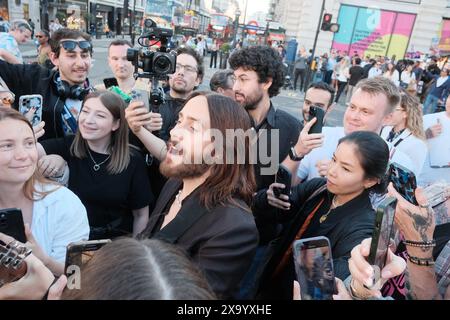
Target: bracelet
x=421, y=261
x=420, y=244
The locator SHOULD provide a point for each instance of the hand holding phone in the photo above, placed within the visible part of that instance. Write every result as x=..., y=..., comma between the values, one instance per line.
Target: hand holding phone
x=283, y=176
x=381, y=238
x=319, y=113
x=109, y=82
x=314, y=268
x=12, y=264
x=31, y=107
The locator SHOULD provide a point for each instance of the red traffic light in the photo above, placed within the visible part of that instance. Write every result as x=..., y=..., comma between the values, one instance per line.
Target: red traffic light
x=327, y=17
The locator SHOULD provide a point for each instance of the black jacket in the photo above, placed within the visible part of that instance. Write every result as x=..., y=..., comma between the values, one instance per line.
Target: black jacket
x=222, y=242
x=345, y=227
x=25, y=79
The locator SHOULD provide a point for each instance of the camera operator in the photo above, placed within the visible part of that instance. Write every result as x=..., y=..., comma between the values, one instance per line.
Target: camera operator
x=188, y=75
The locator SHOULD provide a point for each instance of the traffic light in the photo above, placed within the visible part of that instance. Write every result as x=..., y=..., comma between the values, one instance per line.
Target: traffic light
x=326, y=22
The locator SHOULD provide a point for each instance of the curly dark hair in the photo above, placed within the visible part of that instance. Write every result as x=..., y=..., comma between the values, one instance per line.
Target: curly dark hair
x=265, y=61
x=196, y=56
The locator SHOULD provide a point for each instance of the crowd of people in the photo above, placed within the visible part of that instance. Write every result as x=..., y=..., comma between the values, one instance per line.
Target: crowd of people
x=187, y=189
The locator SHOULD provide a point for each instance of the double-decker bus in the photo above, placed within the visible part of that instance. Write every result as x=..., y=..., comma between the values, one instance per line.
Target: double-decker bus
x=220, y=26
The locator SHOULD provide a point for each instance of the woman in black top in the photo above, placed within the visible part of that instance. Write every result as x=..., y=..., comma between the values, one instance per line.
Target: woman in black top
x=107, y=175
x=343, y=212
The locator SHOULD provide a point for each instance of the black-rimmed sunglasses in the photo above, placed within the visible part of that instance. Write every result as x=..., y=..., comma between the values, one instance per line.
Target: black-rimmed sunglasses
x=70, y=45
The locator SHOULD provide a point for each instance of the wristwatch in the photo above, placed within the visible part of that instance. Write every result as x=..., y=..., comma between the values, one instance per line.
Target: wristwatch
x=293, y=155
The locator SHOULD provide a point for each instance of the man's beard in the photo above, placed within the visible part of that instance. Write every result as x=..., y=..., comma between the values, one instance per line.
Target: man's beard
x=251, y=102
x=182, y=171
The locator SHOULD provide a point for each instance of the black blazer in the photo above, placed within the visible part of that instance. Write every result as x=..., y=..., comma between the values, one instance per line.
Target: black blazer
x=222, y=242
x=345, y=227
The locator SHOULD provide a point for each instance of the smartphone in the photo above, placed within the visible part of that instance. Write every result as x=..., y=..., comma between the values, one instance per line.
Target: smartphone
x=404, y=181
x=27, y=102
x=314, y=268
x=109, y=82
x=79, y=253
x=11, y=224
x=283, y=176
x=381, y=236
x=319, y=113
x=437, y=193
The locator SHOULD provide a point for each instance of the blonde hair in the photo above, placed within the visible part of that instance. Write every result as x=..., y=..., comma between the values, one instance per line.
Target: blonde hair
x=119, y=148
x=29, y=187
x=414, y=115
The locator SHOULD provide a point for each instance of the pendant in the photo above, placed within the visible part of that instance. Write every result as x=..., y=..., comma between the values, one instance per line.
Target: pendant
x=323, y=218
x=96, y=167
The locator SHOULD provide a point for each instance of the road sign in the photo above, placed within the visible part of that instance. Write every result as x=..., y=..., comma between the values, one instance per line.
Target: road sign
x=252, y=27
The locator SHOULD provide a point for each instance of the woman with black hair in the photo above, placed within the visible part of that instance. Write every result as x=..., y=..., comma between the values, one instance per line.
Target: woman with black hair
x=337, y=207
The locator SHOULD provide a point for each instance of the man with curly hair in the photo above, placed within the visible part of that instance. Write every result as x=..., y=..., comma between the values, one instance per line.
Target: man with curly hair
x=259, y=76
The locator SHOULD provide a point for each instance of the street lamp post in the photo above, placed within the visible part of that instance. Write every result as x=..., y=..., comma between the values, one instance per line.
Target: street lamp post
x=236, y=26
x=132, y=22
x=308, y=70
x=267, y=32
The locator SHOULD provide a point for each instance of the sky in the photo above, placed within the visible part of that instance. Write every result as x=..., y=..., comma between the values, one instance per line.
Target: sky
x=255, y=5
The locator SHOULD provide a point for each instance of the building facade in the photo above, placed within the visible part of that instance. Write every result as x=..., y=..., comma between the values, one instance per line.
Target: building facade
x=374, y=27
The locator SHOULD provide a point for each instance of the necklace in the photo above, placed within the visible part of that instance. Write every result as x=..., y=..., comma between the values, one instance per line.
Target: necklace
x=334, y=205
x=96, y=166
x=177, y=198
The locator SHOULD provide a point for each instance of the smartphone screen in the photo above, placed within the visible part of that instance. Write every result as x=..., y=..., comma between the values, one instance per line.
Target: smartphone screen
x=11, y=224
x=316, y=112
x=283, y=176
x=79, y=253
x=382, y=234
x=27, y=102
x=314, y=267
x=404, y=181
x=109, y=82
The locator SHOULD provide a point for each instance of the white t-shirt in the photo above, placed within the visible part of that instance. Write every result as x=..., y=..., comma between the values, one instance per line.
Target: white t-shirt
x=415, y=148
x=439, y=150
x=58, y=219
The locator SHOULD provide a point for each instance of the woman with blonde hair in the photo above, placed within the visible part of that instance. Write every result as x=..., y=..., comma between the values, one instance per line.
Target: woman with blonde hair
x=404, y=129
x=105, y=172
x=53, y=215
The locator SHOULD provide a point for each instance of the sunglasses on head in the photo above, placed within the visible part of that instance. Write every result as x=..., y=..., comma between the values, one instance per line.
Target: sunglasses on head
x=70, y=45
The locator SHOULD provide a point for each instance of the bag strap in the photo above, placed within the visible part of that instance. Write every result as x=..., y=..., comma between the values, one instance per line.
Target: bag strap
x=288, y=253
x=185, y=219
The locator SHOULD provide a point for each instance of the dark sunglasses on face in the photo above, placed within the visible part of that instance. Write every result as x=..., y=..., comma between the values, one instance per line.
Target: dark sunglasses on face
x=39, y=36
x=70, y=45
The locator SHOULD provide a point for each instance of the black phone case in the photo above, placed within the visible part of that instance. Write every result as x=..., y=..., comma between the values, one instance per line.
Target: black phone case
x=404, y=181
x=316, y=112
x=109, y=82
x=284, y=177
x=76, y=249
x=11, y=224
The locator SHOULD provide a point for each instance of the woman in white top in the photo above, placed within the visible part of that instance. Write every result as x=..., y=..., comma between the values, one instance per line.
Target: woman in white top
x=408, y=80
x=405, y=132
x=53, y=215
x=392, y=74
x=342, y=75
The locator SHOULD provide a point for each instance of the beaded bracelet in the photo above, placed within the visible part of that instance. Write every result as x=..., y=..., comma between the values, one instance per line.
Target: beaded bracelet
x=420, y=244
x=421, y=261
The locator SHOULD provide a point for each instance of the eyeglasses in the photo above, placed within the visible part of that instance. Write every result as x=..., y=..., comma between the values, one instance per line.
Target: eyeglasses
x=70, y=45
x=178, y=67
x=39, y=36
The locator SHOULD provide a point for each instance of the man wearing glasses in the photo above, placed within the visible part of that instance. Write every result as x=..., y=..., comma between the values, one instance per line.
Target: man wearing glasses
x=62, y=89
x=188, y=75
x=9, y=42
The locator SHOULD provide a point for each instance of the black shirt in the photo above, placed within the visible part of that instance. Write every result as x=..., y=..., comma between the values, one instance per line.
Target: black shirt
x=288, y=130
x=356, y=74
x=169, y=113
x=107, y=197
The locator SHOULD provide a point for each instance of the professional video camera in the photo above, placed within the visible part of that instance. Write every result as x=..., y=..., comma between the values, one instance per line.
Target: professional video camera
x=155, y=65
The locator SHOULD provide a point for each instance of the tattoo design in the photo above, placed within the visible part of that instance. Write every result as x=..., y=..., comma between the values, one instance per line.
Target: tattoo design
x=422, y=223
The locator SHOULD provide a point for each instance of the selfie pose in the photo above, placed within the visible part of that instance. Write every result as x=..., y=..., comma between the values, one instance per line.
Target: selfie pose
x=337, y=207
x=109, y=177
x=55, y=216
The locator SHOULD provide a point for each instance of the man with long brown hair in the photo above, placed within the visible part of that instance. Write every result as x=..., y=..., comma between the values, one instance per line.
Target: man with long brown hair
x=205, y=205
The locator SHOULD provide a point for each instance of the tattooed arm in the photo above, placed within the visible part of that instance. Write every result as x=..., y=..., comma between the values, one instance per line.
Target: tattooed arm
x=416, y=223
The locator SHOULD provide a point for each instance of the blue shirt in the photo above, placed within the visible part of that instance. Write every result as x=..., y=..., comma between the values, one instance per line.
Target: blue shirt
x=9, y=43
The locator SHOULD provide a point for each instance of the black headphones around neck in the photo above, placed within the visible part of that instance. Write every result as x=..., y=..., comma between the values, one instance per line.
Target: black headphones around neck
x=66, y=91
